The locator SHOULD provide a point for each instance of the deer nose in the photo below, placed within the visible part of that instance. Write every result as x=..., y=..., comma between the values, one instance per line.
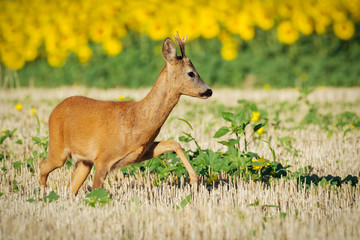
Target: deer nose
x=207, y=93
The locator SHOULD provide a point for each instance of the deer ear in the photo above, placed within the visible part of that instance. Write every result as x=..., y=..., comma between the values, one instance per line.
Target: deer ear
x=169, y=50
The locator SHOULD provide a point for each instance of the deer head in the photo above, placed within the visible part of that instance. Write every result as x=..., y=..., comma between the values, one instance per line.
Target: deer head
x=181, y=72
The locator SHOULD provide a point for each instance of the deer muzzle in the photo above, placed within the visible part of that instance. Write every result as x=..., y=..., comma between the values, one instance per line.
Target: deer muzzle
x=206, y=94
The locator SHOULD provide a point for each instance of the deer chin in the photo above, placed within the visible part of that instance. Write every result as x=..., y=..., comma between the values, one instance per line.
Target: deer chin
x=206, y=94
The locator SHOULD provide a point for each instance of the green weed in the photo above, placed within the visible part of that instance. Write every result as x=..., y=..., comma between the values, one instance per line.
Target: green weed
x=97, y=196
x=184, y=202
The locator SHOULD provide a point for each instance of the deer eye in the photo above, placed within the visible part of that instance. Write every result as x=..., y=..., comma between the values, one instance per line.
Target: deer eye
x=191, y=74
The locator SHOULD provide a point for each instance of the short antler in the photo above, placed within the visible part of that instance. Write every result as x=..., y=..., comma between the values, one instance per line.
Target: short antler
x=181, y=43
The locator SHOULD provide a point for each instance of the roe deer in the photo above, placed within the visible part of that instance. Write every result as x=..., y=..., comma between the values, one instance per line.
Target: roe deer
x=116, y=134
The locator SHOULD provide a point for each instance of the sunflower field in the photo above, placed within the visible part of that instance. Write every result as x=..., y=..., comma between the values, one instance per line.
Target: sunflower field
x=282, y=43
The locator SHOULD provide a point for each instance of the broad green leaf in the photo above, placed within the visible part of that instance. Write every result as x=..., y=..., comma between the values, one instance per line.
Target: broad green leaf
x=51, y=197
x=231, y=143
x=97, y=193
x=105, y=200
x=221, y=132
x=215, y=160
x=228, y=116
x=226, y=143
x=234, y=141
x=240, y=118
x=36, y=140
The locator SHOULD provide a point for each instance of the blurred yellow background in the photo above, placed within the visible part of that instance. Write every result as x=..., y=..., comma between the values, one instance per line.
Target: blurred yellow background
x=55, y=29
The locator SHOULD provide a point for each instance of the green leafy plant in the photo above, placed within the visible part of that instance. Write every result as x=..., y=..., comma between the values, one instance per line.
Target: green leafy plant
x=345, y=121
x=96, y=196
x=241, y=161
x=51, y=197
x=16, y=186
x=29, y=163
x=43, y=143
x=7, y=134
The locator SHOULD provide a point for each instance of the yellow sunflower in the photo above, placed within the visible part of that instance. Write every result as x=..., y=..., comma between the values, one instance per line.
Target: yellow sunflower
x=344, y=30
x=287, y=33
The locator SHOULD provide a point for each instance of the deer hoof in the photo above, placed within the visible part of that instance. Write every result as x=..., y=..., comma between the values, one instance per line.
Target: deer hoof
x=194, y=181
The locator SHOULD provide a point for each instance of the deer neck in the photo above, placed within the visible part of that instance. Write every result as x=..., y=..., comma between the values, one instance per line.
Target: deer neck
x=159, y=102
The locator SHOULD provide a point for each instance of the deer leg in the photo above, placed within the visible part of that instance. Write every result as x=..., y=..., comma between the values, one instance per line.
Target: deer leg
x=158, y=148
x=100, y=174
x=82, y=170
x=50, y=164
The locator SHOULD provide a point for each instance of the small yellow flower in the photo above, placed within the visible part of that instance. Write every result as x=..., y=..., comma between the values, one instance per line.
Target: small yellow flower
x=121, y=98
x=351, y=125
x=260, y=130
x=33, y=111
x=267, y=87
x=18, y=106
x=259, y=160
x=3, y=130
x=255, y=116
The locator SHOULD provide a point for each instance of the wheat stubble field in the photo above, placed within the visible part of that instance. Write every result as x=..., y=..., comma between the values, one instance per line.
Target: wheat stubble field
x=229, y=208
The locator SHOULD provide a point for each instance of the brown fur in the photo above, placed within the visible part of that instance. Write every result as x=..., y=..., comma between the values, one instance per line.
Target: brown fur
x=116, y=134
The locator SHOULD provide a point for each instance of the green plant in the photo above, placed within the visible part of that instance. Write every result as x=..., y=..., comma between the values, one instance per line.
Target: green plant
x=51, y=197
x=29, y=163
x=43, y=143
x=240, y=161
x=345, y=121
x=99, y=195
x=16, y=186
x=7, y=134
